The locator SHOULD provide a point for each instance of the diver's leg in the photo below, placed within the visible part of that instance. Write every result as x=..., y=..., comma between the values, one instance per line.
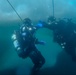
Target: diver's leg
x=38, y=61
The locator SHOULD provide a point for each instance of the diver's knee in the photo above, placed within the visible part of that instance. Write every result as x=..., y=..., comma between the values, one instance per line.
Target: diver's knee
x=42, y=62
x=21, y=54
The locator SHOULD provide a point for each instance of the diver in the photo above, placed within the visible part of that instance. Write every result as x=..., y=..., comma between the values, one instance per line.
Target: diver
x=66, y=36
x=25, y=44
x=64, y=33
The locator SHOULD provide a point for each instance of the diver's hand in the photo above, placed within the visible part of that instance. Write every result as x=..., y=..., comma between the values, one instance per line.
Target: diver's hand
x=42, y=42
x=40, y=24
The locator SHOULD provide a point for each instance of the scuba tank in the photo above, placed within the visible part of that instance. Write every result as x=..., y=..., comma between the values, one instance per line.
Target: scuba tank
x=17, y=40
x=19, y=44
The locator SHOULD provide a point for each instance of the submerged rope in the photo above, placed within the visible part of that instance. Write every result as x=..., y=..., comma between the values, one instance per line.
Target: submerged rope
x=53, y=7
x=15, y=10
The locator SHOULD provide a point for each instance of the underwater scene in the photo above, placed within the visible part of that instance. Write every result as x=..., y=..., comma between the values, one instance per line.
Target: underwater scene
x=37, y=37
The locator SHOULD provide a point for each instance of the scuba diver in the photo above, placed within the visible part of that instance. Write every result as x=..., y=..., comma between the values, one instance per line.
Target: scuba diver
x=25, y=44
x=64, y=33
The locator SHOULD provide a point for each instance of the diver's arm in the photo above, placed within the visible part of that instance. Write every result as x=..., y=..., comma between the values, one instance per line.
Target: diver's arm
x=50, y=26
x=40, y=42
x=41, y=24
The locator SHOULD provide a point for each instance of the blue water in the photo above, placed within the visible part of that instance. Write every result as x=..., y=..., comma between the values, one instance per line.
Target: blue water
x=56, y=59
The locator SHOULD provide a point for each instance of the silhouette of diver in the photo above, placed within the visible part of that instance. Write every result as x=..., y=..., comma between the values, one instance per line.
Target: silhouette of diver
x=64, y=33
x=24, y=41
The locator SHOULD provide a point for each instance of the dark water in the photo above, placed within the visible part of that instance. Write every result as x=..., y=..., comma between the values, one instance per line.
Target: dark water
x=57, y=60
